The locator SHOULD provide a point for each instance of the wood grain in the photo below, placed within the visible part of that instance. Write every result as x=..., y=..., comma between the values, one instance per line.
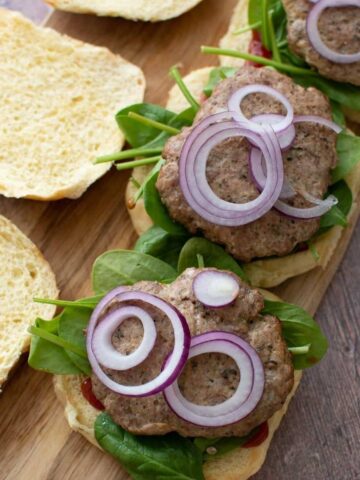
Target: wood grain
x=320, y=436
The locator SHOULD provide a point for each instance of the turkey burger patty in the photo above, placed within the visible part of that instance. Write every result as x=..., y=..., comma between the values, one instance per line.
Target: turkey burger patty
x=307, y=166
x=207, y=379
x=339, y=29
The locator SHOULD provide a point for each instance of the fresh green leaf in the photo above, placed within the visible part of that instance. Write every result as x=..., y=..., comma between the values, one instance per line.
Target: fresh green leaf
x=174, y=72
x=157, y=210
x=139, y=135
x=89, y=302
x=72, y=325
x=337, y=215
x=313, y=251
x=126, y=267
x=299, y=329
x=213, y=255
x=343, y=93
x=348, y=150
x=216, y=76
x=153, y=173
x=337, y=114
x=161, y=244
x=48, y=357
x=166, y=457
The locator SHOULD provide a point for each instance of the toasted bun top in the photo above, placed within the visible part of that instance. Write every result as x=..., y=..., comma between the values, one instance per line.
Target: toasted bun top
x=147, y=10
x=57, y=112
x=24, y=274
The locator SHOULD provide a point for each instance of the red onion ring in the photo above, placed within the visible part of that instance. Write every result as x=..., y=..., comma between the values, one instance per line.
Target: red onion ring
x=194, y=184
x=234, y=105
x=214, y=288
x=178, y=356
x=105, y=352
x=247, y=394
x=318, y=120
x=258, y=176
x=285, y=137
x=314, y=34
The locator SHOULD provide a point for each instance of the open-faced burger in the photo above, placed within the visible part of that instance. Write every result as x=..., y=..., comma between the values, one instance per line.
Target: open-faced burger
x=195, y=366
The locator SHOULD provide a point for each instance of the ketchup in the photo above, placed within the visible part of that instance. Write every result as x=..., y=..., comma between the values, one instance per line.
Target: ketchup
x=86, y=390
x=259, y=437
x=257, y=48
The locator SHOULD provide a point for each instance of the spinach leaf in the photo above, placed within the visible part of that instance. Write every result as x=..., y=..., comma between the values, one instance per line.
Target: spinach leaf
x=89, y=302
x=337, y=215
x=157, y=210
x=72, y=324
x=299, y=329
x=126, y=267
x=348, y=150
x=337, y=114
x=213, y=255
x=48, y=357
x=180, y=120
x=139, y=135
x=161, y=244
x=216, y=76
x=343, y=93
x=145, y=136
x=168, y=457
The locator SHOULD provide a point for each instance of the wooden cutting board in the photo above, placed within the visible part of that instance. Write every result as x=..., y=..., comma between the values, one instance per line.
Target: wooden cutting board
x=319, y=436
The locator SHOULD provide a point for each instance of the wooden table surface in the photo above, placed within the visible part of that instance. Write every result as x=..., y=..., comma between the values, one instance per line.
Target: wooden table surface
x=320, y=437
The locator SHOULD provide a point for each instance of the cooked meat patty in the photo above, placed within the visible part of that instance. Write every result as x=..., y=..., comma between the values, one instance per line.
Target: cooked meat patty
x=340, y=31
x=307, y=166
x=207, y=379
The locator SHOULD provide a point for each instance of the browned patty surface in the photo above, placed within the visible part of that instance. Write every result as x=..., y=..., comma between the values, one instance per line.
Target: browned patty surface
x=339, y=29
x=307, y=166
x=207, y=379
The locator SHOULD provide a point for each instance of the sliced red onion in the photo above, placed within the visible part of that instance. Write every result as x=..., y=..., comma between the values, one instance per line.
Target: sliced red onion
x=234, y=105
x=179, y=354
x=215, y=289
x=247, y=394
x=312, y=27
x=319, y=120
x=320, y=209
x=285, y=137
x=322, y=206
x=103, y=348
x=257, y=167
x=194, y=184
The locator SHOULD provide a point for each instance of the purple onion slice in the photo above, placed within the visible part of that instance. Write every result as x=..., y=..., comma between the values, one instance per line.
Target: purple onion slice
x=247, y=395
x=215, y=289
x=179, y=354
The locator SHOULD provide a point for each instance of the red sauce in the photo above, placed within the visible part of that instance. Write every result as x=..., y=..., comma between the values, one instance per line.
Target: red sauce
x=86, y=390
x=259, y=437
x=257, y=48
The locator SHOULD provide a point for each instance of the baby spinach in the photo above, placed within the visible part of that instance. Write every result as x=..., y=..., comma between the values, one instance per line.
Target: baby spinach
x=213, y=255
x=72, y=325
x=146, y=136
x=216, y=76
x=161, y=244
x=299, y=329
x=166, y=457
x=157, y=210
x=139, y=135
x=47, y=356
x=348, y=150
x=126, y=267
x=337, y=215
